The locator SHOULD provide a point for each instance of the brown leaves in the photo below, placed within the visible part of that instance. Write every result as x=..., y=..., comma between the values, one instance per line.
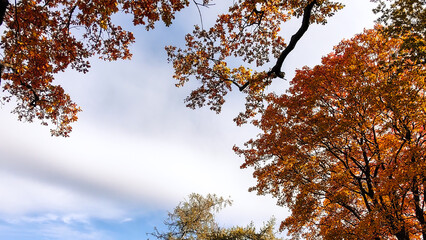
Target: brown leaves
x=150, y=11
x=47, y=37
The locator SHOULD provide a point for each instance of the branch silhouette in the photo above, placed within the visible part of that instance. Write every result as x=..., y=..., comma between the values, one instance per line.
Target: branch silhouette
x=276, y=70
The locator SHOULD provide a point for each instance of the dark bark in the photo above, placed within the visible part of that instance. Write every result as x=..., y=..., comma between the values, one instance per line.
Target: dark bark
x=418, y=210
x=3, y=7
x=276, y=70
x=402, y=235
x=294, y=39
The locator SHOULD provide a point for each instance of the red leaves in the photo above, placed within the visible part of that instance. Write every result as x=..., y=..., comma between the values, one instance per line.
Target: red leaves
x=46, y=37
x=350, y=135
x=148, y=12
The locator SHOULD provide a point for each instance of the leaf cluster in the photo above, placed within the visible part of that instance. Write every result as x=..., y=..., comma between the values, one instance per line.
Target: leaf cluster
x=248, y=33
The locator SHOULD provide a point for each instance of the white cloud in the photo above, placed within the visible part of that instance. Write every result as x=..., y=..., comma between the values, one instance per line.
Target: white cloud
x=126, y=220
x=64, y=232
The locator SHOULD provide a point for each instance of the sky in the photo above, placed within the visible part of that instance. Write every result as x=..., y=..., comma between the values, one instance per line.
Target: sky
x=136, y=150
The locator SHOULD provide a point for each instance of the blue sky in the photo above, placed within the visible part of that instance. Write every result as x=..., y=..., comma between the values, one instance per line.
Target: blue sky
x=136, y=150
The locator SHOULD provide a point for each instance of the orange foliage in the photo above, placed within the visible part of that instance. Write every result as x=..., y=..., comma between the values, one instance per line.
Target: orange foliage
x=46, y=37
x=43, y=38
x=249, y=32
x=345, y=149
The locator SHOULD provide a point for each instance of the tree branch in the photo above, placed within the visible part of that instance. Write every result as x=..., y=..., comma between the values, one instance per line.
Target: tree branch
x=69, y=18
x=3, y=8
x=197, y=4
x=36, y=99
x=276, y=70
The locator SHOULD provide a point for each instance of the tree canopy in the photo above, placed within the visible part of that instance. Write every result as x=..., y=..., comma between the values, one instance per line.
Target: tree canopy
x=344, y=148
x=406, y=19
x=44, y=37
x=195, y=219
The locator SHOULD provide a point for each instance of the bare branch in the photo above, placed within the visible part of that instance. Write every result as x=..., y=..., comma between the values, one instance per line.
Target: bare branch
x=276, y=70
x=3, y=8
x=204, y=4
x=294, y=39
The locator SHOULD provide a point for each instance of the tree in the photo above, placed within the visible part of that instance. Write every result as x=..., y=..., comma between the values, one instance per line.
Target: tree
x=194, y=219
x=248, y=32
x=43, y=38
x=344, y=148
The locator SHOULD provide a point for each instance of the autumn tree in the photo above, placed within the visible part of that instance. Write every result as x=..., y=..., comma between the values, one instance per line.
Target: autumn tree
x=236, y=51
x=195, y=219
x=344, y=148
x=44, y=37
x=248, y=32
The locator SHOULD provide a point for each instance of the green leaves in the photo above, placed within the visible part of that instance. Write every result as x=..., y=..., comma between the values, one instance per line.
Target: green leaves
x=195, y=219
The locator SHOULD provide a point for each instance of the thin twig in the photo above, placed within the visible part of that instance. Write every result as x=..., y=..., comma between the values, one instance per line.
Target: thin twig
x=199, y=12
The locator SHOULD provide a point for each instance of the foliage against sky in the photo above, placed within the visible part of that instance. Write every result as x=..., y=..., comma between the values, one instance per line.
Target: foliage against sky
x=344, y=148
x=46, y=37
x=195, y=219
x=43, y=38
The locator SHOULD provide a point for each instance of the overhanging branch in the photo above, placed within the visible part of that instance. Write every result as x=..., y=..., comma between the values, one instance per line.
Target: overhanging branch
x=294, y=39
x=3, y=7
x=276, y=70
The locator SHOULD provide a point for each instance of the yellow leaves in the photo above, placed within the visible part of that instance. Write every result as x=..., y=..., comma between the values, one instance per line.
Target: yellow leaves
x=222, y=70
x=103, y=24
x=241, y=74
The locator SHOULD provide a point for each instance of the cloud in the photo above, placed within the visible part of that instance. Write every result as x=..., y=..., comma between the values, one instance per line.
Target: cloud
x=55, y=231
x=99, y=166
